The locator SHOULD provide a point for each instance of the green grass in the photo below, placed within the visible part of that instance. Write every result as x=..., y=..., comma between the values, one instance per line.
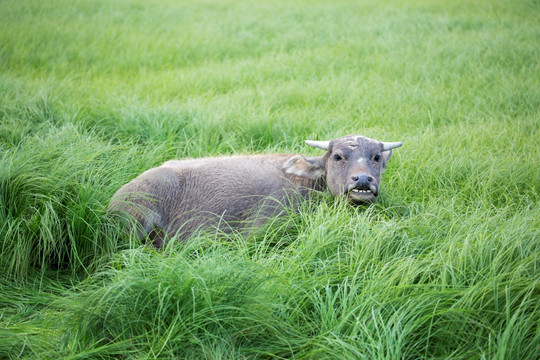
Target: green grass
x=445, y=265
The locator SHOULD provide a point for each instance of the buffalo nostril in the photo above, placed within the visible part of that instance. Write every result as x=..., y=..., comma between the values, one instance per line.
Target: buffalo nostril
x=362, y=179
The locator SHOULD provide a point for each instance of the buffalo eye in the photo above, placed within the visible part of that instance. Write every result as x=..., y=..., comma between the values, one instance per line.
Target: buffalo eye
x=337, y=157
x=377, y=158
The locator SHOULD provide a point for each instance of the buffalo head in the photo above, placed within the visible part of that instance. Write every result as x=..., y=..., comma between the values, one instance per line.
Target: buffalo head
x=352, y=166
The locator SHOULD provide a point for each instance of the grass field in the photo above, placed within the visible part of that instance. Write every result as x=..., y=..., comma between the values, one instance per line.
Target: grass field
x=445, y=265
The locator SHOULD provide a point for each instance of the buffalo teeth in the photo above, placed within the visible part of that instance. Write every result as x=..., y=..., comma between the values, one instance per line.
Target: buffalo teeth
x=361, y=191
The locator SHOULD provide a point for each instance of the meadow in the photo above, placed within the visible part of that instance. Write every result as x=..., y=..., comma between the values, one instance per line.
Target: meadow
x=445, y=265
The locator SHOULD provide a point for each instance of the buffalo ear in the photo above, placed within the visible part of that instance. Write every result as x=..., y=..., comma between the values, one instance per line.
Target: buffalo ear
x=386, y=156
x=310, y=168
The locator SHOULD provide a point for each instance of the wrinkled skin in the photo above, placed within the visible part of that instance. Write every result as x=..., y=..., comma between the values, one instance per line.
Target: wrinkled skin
x=181, y=196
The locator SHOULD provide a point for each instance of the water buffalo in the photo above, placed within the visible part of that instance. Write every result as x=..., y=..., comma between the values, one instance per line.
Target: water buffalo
x=181, y=196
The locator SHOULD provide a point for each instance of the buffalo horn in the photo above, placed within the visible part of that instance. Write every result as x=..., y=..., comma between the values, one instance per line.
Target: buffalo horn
x=318, y=144
x=391, y=145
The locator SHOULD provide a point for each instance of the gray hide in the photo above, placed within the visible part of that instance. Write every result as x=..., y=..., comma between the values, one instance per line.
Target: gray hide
x=181, y=196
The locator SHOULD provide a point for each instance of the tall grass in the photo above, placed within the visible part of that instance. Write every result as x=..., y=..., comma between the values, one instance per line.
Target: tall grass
x=444, y=265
